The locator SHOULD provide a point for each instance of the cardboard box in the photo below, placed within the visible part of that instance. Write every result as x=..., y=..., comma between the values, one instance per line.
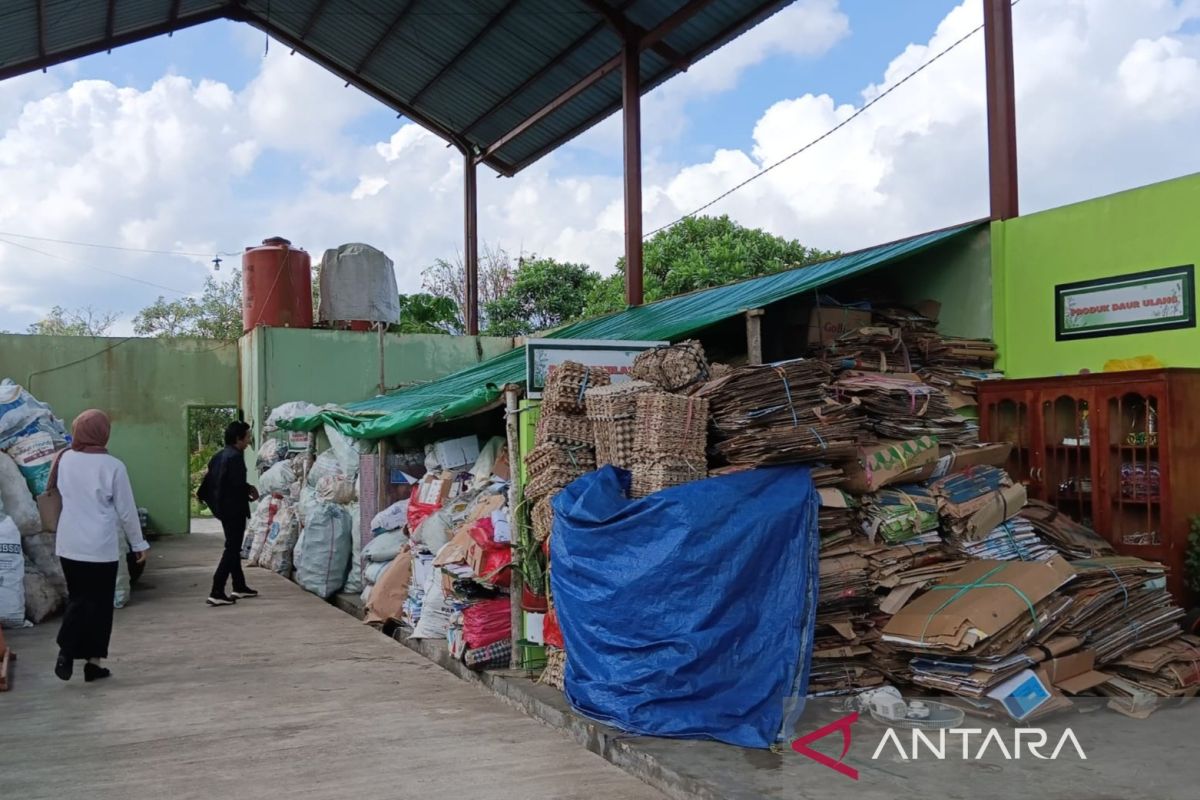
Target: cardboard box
x=998, y=507
x=982, y=611
x=435, y=488
x=890, y=462
x=456, y=453
x=827, y=323
x=960, y=459
x=1073, y=673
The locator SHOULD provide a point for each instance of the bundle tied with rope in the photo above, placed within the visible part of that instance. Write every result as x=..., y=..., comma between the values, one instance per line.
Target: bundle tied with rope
x=901, y=406
x=676, y=368
x=670, y=438
x=781, y=413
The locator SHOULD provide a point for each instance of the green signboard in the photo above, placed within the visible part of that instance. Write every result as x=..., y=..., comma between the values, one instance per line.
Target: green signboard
x=1158, y=300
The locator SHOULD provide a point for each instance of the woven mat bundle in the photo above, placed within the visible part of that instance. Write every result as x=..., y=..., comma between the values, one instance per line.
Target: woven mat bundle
x=564, y=429
x=552, y=466
x=780, y=413
x=901, y=406
x=567, y=385
x=612, y=410
x=877, y=348
x=674, y=368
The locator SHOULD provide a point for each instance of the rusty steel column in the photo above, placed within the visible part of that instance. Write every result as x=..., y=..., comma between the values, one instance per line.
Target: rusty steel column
x=632, y=119
x=470, y=245
x=1001, y=108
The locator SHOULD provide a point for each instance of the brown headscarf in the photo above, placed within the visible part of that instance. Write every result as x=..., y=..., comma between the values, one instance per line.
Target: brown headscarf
x=89, y=432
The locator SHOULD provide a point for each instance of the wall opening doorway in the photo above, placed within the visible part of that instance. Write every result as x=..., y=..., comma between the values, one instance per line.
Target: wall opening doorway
x=206, y=436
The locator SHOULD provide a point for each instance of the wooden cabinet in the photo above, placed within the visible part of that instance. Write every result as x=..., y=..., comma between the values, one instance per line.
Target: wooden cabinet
x=1119, y=452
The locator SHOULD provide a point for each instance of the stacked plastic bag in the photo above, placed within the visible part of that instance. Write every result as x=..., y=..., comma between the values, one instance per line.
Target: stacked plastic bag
x=30, y=434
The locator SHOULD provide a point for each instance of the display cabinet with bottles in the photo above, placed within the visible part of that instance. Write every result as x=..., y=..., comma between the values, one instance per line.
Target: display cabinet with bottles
x=1119, y=452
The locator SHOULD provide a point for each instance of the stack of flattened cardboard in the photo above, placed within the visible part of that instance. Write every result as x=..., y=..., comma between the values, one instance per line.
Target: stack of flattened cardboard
x=1014, y=540
x=1171, y=669
x=780, y=413
x=1065, y=534
x=975, y=503
x=876, y=348
x=844, y=628
x=1121, y=604
x=906, y=513
x=902, y=406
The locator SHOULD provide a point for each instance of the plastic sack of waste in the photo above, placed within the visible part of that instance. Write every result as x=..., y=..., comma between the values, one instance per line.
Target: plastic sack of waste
x=278, y=479
x=354, y=578
x=277, y=554
x=435, y=610
x=384, y=547
x=16, y=499
x=373, y=570
x=322, y=555
x=335, y=489
x=271, y=453
x=21, y=411
x=258, y=527
x=646, y=653
x=392, y=518
x=45, y=584
x=34, y=449
x=12, y=575
x=290, y=411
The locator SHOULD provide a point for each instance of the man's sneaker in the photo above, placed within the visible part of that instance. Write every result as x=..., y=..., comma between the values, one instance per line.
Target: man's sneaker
x=220, y=600
x=243, y=593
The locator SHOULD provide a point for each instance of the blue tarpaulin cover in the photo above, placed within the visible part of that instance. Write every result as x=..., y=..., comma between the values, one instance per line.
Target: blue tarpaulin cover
x=689, y=613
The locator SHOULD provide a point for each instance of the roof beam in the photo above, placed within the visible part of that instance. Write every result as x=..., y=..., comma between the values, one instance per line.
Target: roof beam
x=563, y=55
x=647, y=39
x=173, y=17
x=312, y=20
x=627, y=29
x=41, y=29
x=110, y=20
x=396, y=21
x=461, y=54
x=13, y=69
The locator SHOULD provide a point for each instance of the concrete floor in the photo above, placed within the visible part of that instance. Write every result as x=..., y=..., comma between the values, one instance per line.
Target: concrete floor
x=283, y=696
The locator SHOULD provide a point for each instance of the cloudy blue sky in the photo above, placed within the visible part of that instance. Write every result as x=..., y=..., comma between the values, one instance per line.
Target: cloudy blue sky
x=200, y=143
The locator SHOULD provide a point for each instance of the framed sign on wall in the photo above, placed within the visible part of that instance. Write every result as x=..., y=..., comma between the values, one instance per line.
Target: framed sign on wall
x=613, y=356
x=1140, y=302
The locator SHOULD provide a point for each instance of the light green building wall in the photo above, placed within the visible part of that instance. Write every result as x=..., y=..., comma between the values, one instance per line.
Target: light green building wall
x=1141, y=229
x=280, y=365
x=146, y=386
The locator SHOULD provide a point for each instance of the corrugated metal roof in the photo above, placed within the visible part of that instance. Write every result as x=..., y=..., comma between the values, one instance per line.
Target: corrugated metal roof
x=470, y=70
x=478, y=387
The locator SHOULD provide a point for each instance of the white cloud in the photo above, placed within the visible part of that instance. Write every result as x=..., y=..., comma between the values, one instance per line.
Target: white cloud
x=1107, y=99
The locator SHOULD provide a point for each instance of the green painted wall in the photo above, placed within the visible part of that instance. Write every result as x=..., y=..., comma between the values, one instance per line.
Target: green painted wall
x=146, y=387
x=280, y=365
x=1147, y=228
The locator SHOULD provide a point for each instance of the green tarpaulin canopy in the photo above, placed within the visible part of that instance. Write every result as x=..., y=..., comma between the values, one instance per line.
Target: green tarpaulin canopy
x=475, y=388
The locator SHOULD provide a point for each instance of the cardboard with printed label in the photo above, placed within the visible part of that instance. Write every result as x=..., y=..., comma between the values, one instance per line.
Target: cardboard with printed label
x=891, y=462
x=827, y=323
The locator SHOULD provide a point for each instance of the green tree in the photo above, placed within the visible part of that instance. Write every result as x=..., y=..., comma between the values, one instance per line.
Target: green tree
x=698, y=253
x=74, y=322
x=545, y=294
x=426, y=313
x=448, y=278
x=216, y=314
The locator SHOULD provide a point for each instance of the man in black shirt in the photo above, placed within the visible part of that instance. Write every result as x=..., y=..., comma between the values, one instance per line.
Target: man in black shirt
x=227, y=493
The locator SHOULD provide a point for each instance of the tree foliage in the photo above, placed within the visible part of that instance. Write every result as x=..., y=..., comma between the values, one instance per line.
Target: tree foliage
x=216, y=314
x=74, y=322
x=426, y=313
x=448, y=278
x=698, y=253
x=545, y=294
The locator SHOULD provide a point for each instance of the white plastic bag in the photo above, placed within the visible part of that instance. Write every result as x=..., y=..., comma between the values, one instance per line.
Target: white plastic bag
x=121, y=594
x=435, y=611
x=277, y=553
x=290, y=411
x=12, y=575
x=278, y=479
x=354, y=579
x=15, y=498
x=258, y=527
x=373, y=570
x=392, y=518
x=323, y=550
x=384, y=547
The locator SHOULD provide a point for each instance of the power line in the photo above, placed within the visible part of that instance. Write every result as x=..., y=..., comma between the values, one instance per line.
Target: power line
x=824, y=135
x=90, y=266
x=114, y=246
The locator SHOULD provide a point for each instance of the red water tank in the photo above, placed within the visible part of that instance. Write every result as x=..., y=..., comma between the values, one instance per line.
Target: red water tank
x=276, y=286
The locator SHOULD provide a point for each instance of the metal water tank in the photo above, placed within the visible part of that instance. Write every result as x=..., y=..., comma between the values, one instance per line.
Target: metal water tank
x=276, y=286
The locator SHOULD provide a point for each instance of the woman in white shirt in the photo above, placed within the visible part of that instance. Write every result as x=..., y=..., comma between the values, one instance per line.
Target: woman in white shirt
x=98, y=514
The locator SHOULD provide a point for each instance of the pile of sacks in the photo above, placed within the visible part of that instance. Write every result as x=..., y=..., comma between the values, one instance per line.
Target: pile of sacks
x=32, y=586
